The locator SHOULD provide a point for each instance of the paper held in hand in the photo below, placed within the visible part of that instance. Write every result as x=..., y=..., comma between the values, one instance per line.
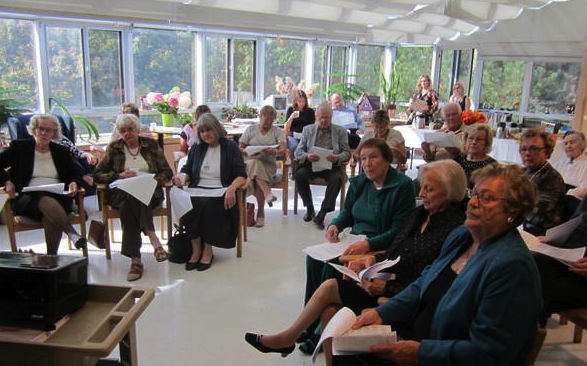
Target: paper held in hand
x=57, y=188
x=368, y=273
x=254, y=150
x=563, y=255
x=323, y=163
x=440, y=139
x=327, y=251
x=347, y=341
x=140, y=187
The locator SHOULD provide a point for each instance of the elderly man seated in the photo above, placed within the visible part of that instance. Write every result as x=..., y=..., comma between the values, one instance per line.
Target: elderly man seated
x=573, y=168
x=326, y=136
x=453, y=123
x=348, y=118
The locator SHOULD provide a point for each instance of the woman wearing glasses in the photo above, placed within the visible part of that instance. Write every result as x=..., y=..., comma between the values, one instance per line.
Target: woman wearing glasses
x=479, y=302
x=39, y=161
x=536, y=146
x=478, y=141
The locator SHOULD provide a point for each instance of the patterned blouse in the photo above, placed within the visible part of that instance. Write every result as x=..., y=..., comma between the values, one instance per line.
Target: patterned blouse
x=417, y=249
x=470, y=166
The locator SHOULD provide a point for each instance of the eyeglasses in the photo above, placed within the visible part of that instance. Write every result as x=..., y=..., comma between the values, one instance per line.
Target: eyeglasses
x=484, y=197
x=476, y=139
x=43, y=129
x=531, y=149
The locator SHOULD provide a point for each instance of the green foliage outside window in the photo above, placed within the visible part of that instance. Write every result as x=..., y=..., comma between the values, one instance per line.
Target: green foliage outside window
x=411, y=63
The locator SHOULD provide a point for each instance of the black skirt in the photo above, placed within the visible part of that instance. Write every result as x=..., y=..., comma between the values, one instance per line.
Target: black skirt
x=209, y=221
x=27, y=204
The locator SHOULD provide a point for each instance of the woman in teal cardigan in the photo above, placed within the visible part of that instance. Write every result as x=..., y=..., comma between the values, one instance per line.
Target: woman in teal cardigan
x=378, y=202
x=479, y=302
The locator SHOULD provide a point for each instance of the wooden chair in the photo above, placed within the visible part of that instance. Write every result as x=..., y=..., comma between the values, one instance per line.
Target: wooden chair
x=109, y=214
x=538, y=342
x=282, y=182
x=322, y=182
x=16, y=224
x=577, y=316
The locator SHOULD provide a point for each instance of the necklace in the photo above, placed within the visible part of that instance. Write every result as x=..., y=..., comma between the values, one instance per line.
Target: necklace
x=462, y=261
x=133, y=154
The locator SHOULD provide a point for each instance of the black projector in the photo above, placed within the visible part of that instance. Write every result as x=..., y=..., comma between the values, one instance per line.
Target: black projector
x=38, y=290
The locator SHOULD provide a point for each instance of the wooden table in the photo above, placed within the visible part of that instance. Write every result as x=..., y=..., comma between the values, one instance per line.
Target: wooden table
x=85, y=337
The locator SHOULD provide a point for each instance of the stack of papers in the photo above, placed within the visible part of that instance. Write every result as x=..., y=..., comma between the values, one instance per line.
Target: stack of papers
x=369, y=273
x=327, y=251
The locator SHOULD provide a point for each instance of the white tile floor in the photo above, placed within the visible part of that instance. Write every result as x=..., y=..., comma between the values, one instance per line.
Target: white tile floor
x=200, y=318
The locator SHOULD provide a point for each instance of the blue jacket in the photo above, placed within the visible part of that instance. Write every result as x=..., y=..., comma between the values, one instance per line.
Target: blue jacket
x=397, y=205
x=488, y=316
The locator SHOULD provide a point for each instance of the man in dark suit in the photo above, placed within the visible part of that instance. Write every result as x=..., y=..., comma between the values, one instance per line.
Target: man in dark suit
x=323, y=134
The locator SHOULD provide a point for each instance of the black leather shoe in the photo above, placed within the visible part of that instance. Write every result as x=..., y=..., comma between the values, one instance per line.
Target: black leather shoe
x=204, y=266
x=309, y=345
x=255, y=341
x=310, y=214
x=319, y=219
x=80, y=243
x=190, y=266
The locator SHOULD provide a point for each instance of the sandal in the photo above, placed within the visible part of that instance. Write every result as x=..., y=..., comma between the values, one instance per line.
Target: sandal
x=136, y=272
x=160, y=254
x=260, y=222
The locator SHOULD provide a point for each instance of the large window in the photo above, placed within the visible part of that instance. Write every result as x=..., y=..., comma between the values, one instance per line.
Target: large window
x=243, y=67
x=162, y=60
x=65, y=66
x=17, y=60
x=370, y=61
x=502, y=84
x=216, y=69
x=451, y=73
x=411, y=62
x=330, y=64
x=553, y=87
x=105, y=68
x=284, y=60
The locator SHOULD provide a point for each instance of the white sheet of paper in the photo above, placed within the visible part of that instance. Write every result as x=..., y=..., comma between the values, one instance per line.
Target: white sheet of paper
x=205, y=192
x=254, y=150
x=57, y=188
x=369, y=272
x=140, y=187
x=344, y=119
x=439, y=139
x=327, y=251
x=559, y=234
x=323, y=163
x=563, y=255
x=180, y=203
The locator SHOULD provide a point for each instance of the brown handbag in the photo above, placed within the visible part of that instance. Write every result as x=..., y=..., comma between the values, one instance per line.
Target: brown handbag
x=96, y=234
x=250, y=214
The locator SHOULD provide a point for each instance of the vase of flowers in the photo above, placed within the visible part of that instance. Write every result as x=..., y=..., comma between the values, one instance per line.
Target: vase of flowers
x=169, y=104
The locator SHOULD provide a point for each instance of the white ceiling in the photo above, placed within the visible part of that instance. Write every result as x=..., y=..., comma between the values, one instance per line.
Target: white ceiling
x=496, y=26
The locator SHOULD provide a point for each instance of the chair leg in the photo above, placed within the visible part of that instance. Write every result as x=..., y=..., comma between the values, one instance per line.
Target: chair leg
x=295, y=198
x=577, y=334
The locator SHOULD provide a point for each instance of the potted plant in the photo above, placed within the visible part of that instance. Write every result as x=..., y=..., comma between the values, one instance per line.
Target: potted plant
x=347, y=91
x=239, y=111
x=389, y=90
x=86, y=123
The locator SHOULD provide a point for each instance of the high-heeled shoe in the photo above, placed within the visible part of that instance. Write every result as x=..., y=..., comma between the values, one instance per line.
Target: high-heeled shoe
x=204, y=266
x=255, y=341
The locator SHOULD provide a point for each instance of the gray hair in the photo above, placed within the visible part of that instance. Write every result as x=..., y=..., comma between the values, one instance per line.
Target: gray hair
x=127, y=120
x=581, y=137
x=209, y=122
x=488, y=135
x=451, y=176
x=32, y=127
x=452, y=105
x=324, y=107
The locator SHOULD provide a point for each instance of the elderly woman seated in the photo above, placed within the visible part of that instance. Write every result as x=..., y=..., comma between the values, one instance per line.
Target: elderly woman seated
x=479, y=302
x=125, y=158
x=478, y=142
x=261, y=165
x=216, y=164
x=37, y=162
x=418, y=243
x=393, y=138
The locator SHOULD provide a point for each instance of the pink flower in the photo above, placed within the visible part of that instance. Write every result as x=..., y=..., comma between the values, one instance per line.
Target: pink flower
x=173, y=101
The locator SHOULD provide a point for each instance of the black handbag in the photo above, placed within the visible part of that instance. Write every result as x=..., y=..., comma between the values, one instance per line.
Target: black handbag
x=179, y=246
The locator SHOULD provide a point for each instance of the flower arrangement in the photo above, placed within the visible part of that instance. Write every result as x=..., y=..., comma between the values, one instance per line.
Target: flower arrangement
x=288, y=86
x=169, y=103
x=472, y=117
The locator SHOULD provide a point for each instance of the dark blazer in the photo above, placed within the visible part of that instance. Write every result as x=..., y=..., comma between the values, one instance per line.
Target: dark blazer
x=231, y=162
x=20, y=157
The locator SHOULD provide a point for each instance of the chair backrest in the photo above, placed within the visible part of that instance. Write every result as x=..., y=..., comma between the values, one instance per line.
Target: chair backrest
x=17, y=126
